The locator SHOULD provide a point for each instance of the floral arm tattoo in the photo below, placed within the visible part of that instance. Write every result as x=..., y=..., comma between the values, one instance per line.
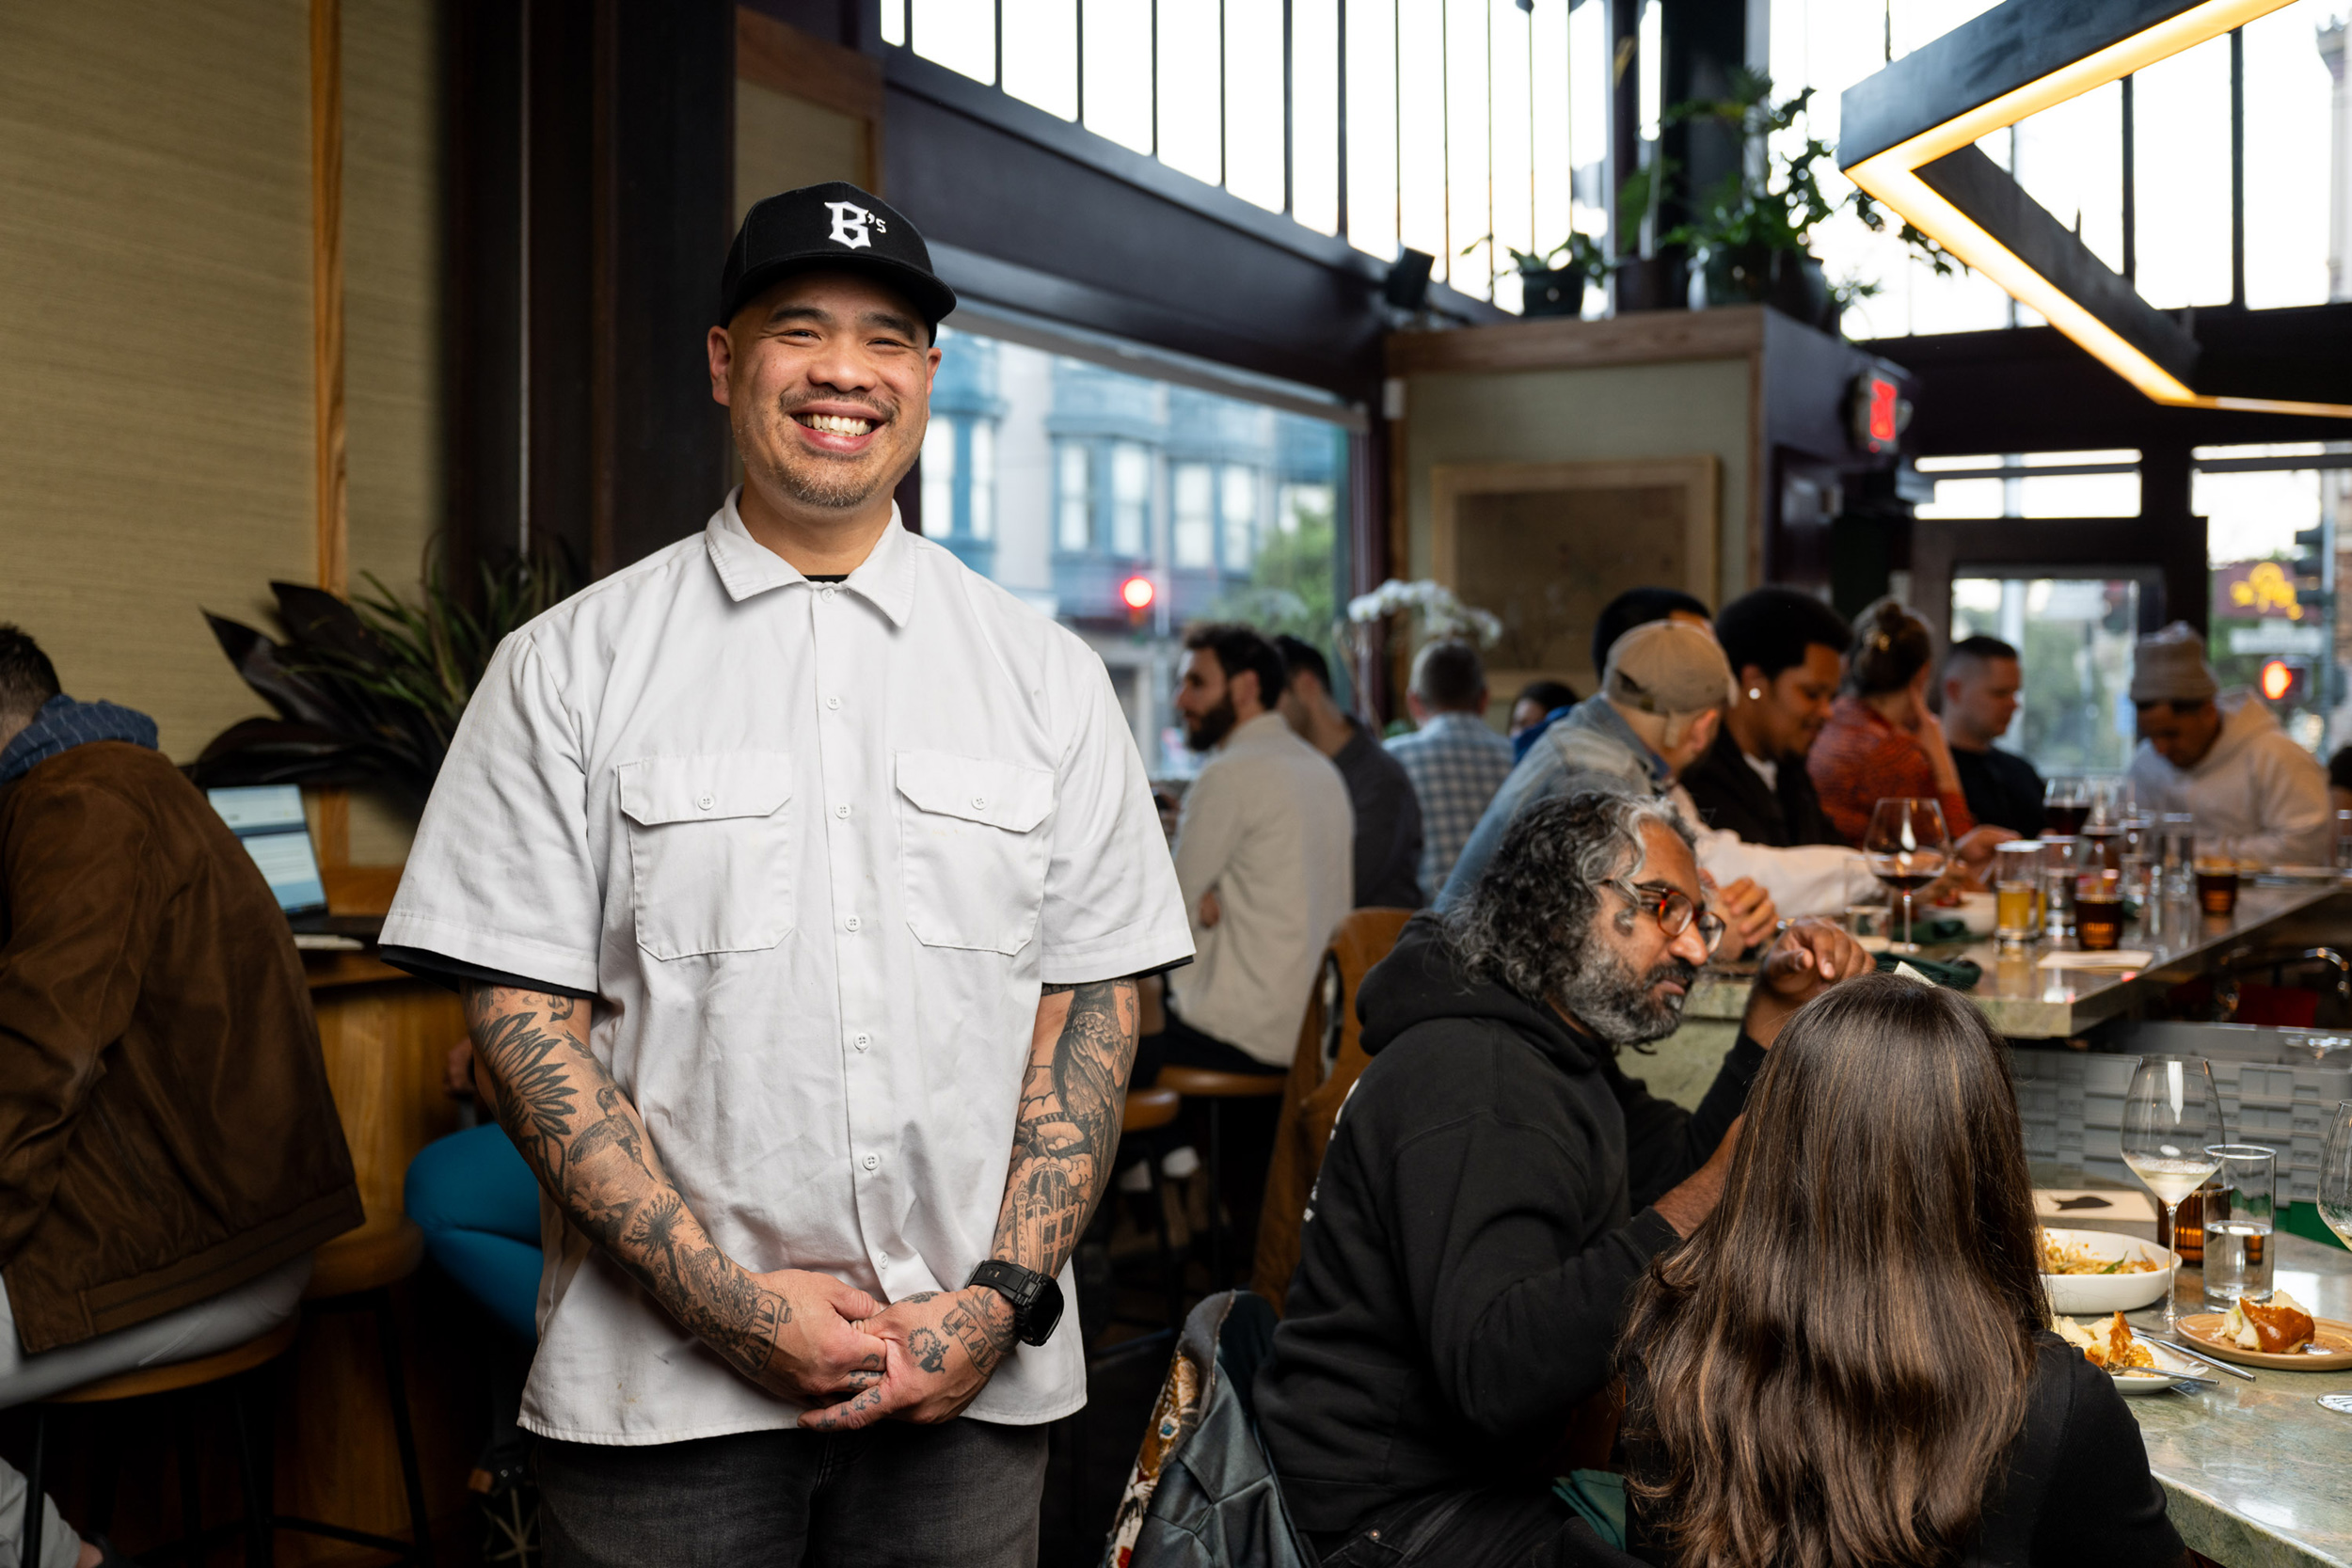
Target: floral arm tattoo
x=578, y=1132
x=1063, y=1142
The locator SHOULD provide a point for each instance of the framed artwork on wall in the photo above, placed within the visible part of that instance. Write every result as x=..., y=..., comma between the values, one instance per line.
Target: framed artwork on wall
x=1545, y=546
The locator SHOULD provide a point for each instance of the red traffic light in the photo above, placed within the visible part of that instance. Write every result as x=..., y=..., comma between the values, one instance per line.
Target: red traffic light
x=1137, y=593
x=2278, y=680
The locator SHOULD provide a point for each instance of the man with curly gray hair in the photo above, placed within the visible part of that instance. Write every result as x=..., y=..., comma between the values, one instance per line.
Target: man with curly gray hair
x=1496, y=1183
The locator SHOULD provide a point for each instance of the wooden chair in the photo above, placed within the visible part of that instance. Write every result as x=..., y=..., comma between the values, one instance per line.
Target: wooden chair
x=238, y=1367
x=355, y=1272
x=1146, y=1110
x=1214, y=1088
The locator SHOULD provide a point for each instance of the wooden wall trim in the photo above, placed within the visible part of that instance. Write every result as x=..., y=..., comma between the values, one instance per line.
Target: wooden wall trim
x=1641, y=337
x=779, y=56
x=326, y=289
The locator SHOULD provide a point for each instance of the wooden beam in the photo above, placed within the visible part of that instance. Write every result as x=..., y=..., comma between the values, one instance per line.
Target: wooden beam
x=1638, y=338
x=326, y=289
x=779, y=56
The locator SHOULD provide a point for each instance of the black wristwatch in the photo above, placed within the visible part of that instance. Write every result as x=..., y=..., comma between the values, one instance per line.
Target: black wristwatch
x=1036, y=1299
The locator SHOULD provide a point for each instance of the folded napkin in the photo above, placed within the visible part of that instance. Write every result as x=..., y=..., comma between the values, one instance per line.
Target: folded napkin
x=1958, y=973
x=2120, y=958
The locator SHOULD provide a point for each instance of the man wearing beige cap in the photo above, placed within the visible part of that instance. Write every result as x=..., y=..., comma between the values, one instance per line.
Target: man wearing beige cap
x=2256, y=794
x=1661, y=698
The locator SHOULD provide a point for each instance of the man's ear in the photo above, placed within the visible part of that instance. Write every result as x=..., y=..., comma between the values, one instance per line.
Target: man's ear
x=1234, y=689
x=720, y=350
x=1753, y=678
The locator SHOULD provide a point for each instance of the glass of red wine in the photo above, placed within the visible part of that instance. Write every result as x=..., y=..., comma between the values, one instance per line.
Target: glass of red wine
x=1907, y=847
x=2066, y=806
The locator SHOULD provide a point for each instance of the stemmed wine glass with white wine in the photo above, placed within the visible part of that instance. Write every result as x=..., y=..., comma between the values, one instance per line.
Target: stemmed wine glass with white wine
x=2335, y=1173
x=2170, y=1116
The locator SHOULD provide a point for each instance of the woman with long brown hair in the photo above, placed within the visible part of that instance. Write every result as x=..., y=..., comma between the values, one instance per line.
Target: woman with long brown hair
x=1846, y=1365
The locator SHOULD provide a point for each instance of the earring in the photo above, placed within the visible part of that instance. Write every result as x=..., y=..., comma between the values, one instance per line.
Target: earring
x=1755, y=694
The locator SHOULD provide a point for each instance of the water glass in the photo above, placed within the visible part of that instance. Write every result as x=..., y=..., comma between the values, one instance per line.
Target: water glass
x=2240, y=1209
x=2343, y=841
x=2059, y=862
x=1866, y=920
x=2139, y=882
x=2335, y=1173
x=2176, y=852
x=2099, y=911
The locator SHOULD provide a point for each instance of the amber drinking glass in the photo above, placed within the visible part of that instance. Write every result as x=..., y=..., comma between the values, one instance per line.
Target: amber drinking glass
x=2217, y=886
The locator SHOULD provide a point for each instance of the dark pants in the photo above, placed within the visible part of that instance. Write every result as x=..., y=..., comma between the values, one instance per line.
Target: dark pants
x=1515, y=1527
x=890, y=1496
x=1246, y=1127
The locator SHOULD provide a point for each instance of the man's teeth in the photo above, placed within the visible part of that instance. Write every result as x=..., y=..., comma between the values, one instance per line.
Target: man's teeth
x=839, y=424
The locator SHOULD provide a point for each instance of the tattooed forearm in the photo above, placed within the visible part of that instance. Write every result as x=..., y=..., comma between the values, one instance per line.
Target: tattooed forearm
x=1068, y=1128
x=583, y=1138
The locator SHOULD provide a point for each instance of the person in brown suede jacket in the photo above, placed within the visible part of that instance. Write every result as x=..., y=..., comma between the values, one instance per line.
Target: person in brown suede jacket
x=169, y=1152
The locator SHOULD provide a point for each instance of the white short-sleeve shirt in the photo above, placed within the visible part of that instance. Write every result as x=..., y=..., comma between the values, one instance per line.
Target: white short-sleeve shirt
x=814, y=848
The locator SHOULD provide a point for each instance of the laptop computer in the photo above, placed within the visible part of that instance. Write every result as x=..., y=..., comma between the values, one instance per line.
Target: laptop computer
x=268, y=821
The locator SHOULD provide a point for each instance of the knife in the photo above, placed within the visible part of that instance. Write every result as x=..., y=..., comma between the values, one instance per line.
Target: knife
x=2194, y=1356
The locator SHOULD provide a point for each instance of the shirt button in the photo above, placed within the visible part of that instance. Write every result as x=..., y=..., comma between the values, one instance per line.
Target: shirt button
x=705, y=801
x=980, y=803
x=861, y=1041
x=842, y=811
x=826, y=594
x=832, y=702
x=851, y=923
x=872, y=1160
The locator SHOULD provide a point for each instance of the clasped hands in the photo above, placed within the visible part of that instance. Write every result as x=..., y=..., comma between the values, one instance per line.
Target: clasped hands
x=922, y=1359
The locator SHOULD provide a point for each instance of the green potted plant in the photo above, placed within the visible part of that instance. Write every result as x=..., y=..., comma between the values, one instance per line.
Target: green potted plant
x=1552, y=281
x=369, y=691
x=1750, y=239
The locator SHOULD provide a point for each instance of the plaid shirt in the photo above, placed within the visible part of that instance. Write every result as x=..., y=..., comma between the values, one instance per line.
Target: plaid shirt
x=1456, y=764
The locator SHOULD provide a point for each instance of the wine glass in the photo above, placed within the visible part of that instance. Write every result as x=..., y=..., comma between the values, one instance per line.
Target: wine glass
x=2171, y=1115
x=2335, y=1173
x=2065, y=804
x=1907, y=847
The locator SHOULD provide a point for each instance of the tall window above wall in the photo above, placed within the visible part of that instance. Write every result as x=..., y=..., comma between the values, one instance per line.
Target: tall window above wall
x=1453, y=126
x=1193, y=492
x=1238, y=503
x=981, y=514
x=1074, y=498
x=1131, y=500
x=939, y=478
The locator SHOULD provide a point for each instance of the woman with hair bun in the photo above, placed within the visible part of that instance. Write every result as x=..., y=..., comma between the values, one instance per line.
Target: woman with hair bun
x=1881, y=741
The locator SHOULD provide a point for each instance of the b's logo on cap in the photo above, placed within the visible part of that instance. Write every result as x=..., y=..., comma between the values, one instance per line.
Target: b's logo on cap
x=851, y=223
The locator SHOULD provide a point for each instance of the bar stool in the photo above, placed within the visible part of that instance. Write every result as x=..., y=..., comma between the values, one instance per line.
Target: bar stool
x=1194, y=1083
x=254, y=1457
x=1145, y=1111
x=355, y=1272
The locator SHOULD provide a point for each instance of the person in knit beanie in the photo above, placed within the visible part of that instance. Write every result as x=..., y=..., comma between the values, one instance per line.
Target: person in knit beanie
x=2222, y=756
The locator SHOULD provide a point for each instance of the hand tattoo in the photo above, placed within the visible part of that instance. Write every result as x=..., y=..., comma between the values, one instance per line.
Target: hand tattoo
x=928, y=1350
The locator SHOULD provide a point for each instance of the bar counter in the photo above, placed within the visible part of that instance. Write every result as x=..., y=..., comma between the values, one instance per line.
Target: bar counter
x=2256, y=1471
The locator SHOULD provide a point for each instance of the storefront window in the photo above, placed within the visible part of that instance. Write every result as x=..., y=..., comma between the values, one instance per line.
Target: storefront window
x=1196, y=515
x=1073, y=528
x=938, y=477
x=2074, y=638
x=981, y=521
x=1131, y=500
x=1241, y=517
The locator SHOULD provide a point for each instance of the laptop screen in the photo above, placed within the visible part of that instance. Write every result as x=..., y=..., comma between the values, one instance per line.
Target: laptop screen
x=267, y=820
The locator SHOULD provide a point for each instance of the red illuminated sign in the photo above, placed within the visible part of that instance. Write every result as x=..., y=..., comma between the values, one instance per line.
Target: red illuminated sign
x=1876, y=412
x=1137, y=593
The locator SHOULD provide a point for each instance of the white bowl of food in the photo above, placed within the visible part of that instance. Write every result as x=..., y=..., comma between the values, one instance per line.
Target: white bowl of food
x=2098, y=1271
x=1974, y=910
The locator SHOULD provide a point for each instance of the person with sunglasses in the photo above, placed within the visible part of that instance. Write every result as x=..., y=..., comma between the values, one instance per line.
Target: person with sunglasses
x=1497, y=1185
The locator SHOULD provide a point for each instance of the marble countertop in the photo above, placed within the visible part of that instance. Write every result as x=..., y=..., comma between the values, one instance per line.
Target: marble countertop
x=2256, y=1472
x=2025, y=1001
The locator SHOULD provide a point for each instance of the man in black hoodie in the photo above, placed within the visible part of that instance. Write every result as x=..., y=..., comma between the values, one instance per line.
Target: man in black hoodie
x=1495, y=1185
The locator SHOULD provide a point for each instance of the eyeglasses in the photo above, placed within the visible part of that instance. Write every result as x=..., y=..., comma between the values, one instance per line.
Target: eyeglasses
x=1672, y=909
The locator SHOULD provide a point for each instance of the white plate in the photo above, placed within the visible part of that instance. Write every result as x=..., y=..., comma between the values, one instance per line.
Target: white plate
x=2079, y=1296
x=2169, y=1369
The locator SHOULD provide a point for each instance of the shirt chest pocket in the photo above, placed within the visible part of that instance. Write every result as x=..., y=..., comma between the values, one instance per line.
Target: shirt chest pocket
x=973, y=848
x=709, y=847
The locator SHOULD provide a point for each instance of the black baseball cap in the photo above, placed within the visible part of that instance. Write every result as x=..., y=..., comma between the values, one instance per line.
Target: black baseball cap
x=838, y=226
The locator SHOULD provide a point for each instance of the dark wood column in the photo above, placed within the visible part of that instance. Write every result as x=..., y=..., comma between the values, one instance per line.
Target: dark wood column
x=591, y=193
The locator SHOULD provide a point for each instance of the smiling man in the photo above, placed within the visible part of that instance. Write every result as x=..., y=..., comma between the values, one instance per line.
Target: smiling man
x=796, y=878
x=1495, y=1185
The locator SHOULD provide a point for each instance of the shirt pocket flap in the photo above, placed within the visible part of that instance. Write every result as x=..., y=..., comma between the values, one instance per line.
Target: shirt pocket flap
x=655, y=790
x=1001, y=794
